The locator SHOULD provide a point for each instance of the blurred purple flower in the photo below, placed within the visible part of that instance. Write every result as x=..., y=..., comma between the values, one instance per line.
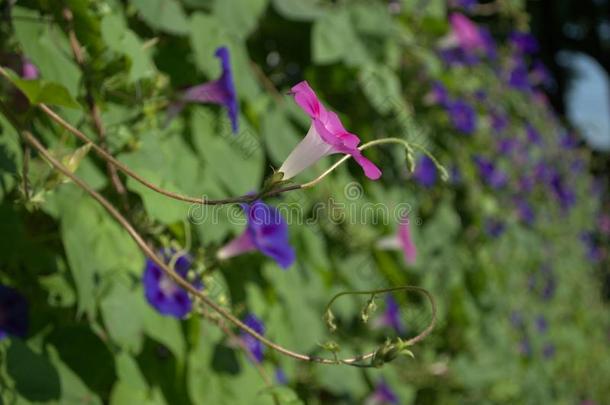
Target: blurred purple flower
x=525, y=211
x=161, y=292
x=14, y=319
x=604, y=224
x=391, y=316
x=280, y=376
x=382, y=395
x=29, y=71
x=425, y=172
x=518, y=77
x=542, y=172
x=526, y=184
x=499, y=121
x=465, y=4
x=438, y=94
x=548, y=350
x=494, y=227
x=568, y=140
x=541, y=324
x=266, y=232
x=493, y=177
x=462, y=116
x=563, y=194
x=524, y=42
x=220, y=91
x=516, y=319
x=489, y=44
x=506, y=146
x=456, y=56
x=255, y=347
x=594, y=252
x=540, y=75
x=533, y=135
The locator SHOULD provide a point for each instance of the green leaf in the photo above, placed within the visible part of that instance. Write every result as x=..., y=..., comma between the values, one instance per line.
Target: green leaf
x=73, y=389
x=43, y=92
x=381, y=86
x=47, y=47
x=124, y=327
x=239, y=17
x=300, y=10
x=164, y=15
x=124, y=41
x=95, y=245
x=334, y=39
x=35, y=377
x=234, y=161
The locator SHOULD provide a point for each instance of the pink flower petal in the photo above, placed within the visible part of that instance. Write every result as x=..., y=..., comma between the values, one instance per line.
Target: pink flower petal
x=305, y=97
x=370, y=170
x=467, y=32
x=408, y=247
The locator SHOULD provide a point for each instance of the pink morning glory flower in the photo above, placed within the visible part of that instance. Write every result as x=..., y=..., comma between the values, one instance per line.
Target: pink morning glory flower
x=326, y=136
x=466, y=33
x=266, y=232
x=220, y=91
x=402, y=240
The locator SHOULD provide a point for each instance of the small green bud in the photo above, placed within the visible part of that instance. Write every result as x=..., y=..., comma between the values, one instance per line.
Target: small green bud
x=368, y=309
x=329, y=319
x=410, y=161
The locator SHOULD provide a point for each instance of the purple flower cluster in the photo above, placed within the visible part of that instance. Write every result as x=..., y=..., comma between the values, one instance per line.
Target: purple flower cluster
x=462, y=115
x=491, y=175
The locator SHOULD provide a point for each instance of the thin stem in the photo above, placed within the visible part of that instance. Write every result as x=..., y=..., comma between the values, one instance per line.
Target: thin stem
x=148, y=251
x=94, y=111
x=176, y=196
x=25, y=171
x=423, y=291
x=408, y=146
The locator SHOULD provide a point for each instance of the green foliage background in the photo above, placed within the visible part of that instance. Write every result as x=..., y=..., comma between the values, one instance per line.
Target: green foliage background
x=94, y=339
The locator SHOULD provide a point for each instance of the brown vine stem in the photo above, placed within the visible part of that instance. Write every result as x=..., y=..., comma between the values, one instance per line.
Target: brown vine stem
x=149, y=252
x=94, y=111
x=176, y=196
x=420, y=290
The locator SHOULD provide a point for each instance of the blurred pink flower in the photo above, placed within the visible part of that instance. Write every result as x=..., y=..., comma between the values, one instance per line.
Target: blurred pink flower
x=402, y=240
